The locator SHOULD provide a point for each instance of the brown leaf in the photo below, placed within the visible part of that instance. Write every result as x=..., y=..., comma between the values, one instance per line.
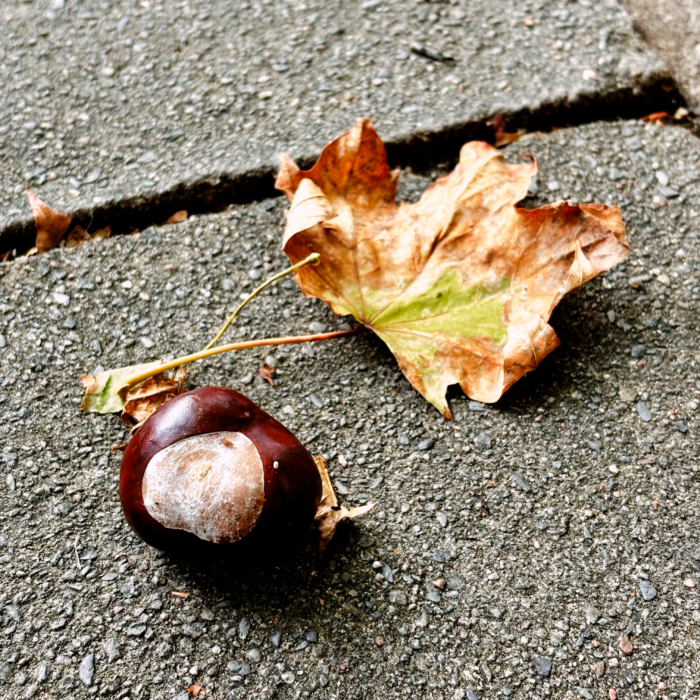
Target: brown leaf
x=657, y=118
x=105, y=232
x=143, y=399
x=266, y=372
x=459, y=285
x=196, y=691
x=501, y=136
x=329, y=512
x=177, y=217
x=51, y=225
x=77, y=237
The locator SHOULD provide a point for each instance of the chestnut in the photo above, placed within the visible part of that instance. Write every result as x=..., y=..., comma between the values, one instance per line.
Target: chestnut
x=211, y=467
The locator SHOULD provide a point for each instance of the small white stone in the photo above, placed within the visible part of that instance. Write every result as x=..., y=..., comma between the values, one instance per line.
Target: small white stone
x=62, y=299
x=148, y=343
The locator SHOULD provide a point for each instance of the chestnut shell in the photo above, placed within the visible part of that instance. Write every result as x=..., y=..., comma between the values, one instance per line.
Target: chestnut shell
x=292, y=490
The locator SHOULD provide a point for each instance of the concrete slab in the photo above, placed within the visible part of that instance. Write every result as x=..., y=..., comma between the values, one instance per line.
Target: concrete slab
x=672, y=27
x=112, y=107
x=563, y=520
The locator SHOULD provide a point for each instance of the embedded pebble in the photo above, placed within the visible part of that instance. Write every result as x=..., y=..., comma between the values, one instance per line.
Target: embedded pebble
x=647, y=589
x=87, y=669
x=543, y=666
x=643, y=411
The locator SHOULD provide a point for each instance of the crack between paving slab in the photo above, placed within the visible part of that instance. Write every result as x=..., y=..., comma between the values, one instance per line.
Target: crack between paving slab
x=422, y=151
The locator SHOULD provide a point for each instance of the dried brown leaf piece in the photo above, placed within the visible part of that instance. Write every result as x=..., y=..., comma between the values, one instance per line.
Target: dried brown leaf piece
x=105, y=232
x=266, y=372
x=658, y=118
x=459, y=285
x=143, y=400
x=501, y=136
x=329, y=512
x=196, y=691
x=51, y=225
x=77, y=237
x=177, y=217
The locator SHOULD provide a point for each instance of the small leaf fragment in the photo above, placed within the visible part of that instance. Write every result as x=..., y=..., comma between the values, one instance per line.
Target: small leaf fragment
x=105, y=232
x=142, y=400
x=77, y=237
x=51, y=225
x=196, y=691
x=177, y=217
x=266, y=372
x=329, y=512
x=501, y=136
x=102, y=392
x=658, y=118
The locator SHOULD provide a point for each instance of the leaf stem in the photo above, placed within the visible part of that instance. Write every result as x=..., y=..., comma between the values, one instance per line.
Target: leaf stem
x=312, y=259
x=208, y=352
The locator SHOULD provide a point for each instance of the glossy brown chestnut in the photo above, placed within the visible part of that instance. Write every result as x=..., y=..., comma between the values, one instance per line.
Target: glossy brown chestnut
x=211, y=467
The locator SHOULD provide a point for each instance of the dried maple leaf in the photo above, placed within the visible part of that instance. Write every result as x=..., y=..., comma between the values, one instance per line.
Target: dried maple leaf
x=266, y=372
x=459, y=285
x=196, y=691
x=329, y=513
x=51, y=225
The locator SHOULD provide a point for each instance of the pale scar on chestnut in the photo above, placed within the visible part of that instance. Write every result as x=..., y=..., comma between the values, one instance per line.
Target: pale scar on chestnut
x=211, y=485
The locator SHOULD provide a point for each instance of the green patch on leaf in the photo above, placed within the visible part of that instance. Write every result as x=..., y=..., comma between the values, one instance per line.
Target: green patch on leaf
x=102, y=391
x=449, y=308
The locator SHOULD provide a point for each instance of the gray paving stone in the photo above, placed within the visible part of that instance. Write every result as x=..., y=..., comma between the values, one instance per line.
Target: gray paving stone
x=108, y=103
x=673, y=28
x=522, y=592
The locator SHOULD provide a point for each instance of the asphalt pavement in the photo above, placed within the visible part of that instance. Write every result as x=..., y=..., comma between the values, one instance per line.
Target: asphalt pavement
x=543, y=547
x=672, y=27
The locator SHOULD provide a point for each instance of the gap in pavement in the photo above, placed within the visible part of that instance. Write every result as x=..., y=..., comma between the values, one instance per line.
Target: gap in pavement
x=421, y=152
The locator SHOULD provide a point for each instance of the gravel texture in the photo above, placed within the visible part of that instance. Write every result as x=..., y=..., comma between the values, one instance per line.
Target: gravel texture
x=542, y=547
x=673, y=28
x=108, y=101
